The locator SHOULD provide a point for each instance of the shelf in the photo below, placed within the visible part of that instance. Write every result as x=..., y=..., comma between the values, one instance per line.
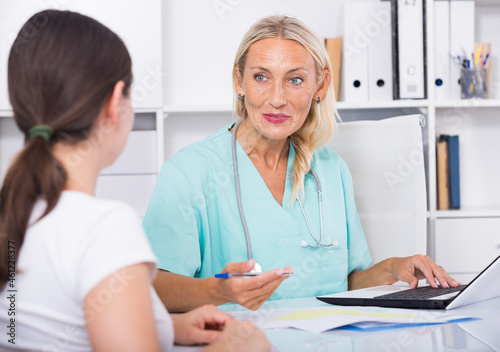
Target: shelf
x=6, y=113
x=468, y=213
x=487, y=3
x=392, y=104
x=469, y=103
x=196, y=109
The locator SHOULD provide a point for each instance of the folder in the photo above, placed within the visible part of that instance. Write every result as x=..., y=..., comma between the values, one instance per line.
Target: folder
x=442, y=58
x=454, y=169
x=380, y=87
x=443, y=190
x=454, y=166
x=334, y=49
x=410, y=25
x=461, y=40
x=355, y=53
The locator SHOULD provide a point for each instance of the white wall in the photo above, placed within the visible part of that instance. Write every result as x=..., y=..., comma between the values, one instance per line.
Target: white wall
x=138, y=24
x=201, y=38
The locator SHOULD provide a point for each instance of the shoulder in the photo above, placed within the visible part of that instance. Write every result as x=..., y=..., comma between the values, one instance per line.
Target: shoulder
x=90, y=212
x=326, y=155
x=328, y=163
x=210, y=153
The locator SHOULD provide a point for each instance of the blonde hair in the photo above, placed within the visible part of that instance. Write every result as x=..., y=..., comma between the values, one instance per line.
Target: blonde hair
x=320, y=122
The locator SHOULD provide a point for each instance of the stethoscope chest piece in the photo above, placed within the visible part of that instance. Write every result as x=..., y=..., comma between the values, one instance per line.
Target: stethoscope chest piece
x=256, y=268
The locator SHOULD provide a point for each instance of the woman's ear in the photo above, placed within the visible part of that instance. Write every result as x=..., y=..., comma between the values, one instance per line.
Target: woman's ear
x=238, y=81
x=323, y=86
x=112, y=107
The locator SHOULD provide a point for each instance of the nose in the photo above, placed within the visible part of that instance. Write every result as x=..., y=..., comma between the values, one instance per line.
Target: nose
x=277, y=98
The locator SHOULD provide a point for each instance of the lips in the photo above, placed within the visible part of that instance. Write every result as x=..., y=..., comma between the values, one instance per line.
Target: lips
x=276, y=118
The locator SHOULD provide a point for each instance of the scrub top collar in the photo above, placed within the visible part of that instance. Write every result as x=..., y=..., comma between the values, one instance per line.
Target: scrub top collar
x=287, y=201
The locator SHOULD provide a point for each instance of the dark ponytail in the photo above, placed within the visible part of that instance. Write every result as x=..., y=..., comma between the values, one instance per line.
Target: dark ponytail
x=62, y=69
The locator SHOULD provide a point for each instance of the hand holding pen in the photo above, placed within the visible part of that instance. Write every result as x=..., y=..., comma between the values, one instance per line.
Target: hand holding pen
x=246, y=275
x=252, y=292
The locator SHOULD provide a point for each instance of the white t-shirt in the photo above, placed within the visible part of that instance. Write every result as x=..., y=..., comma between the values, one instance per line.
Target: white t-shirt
x=65, y=255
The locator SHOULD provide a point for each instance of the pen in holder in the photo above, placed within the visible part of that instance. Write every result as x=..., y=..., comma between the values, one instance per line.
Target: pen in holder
x=474, y=83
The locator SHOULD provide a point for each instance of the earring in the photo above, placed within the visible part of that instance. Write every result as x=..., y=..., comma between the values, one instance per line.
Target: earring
x=240, y=97
x=319, y=100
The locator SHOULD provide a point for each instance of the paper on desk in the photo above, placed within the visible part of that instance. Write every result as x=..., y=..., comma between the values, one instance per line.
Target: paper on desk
x=326, y=318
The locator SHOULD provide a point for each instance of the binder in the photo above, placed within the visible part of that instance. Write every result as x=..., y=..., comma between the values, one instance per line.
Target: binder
x=454, y=169
x=461, y=40
x=442, y=175
x=454, y=166
x=380, y=87
x=355, y=53
x=410, y=34
x=442, y=58
x=334, y=49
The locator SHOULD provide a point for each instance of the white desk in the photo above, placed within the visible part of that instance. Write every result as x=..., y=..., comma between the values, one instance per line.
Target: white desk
x=477, y=336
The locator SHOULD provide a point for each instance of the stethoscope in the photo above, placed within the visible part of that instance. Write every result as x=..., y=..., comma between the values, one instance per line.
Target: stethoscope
x=303, y=243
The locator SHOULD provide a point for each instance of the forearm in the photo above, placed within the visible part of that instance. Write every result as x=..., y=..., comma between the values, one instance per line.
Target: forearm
x=379, y=274
x=181, y=293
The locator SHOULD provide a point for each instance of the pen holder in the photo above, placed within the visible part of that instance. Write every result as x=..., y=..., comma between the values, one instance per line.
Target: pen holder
x=473, y=82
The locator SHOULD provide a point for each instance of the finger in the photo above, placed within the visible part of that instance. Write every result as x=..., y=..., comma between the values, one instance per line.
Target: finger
x=405, y=276
x=215, y=317
x=289, y=269
x=451, y=281
x=239, y=285
x=428, y=273
x=206, y=336
x=263, y=294
x=239, y=267
x=438, y=273
x=275, y=275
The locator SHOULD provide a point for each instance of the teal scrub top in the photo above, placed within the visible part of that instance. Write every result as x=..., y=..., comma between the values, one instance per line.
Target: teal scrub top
x=195, y=229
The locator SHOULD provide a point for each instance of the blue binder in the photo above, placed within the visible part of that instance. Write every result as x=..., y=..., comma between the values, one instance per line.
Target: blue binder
x=454, y=167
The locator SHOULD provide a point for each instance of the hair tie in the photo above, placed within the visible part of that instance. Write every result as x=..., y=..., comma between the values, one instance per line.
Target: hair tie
x=44, y=131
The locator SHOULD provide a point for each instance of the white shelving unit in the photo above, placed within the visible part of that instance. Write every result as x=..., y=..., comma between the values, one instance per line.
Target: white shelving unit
x=194, y=67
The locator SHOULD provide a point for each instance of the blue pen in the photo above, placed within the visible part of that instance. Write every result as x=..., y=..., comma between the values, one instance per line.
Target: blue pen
x=486, y=59
x=230, y=275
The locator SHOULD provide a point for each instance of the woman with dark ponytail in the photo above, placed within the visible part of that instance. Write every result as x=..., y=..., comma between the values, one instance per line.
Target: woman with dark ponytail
x=76, y=271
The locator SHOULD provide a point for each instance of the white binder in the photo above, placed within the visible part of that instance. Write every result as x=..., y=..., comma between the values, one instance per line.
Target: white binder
x=355, y=53
x=380, y=82
x=461, y=40
x=411, y=49
x=442, y=58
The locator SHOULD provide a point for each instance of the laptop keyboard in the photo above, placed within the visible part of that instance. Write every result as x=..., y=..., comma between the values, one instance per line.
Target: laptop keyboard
x=424, y=292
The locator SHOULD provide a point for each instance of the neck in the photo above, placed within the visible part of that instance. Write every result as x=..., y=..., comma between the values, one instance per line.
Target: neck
x=260, y=148
x=82, y=168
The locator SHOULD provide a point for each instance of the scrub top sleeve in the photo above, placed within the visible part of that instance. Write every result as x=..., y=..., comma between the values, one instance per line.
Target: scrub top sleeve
x=171, y=222
x=359, y=254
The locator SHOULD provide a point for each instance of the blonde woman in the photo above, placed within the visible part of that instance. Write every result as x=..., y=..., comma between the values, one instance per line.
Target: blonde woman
x=272, y=199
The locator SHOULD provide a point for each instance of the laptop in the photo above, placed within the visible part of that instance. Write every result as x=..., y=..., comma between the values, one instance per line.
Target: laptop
x=484, y=286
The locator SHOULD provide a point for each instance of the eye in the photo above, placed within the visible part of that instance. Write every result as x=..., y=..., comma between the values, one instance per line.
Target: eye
x=296, y=80
x=260, y=77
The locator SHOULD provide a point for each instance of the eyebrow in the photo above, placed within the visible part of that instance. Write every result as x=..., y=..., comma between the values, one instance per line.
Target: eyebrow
x=260, y=68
